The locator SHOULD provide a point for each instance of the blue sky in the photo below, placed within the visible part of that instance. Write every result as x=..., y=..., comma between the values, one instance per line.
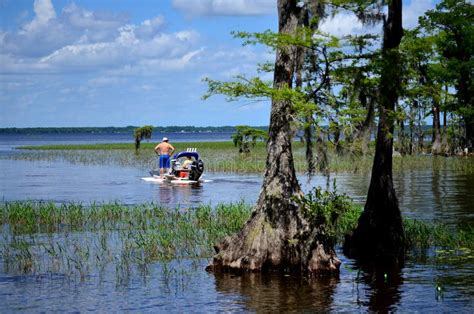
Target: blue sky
x=135, y=62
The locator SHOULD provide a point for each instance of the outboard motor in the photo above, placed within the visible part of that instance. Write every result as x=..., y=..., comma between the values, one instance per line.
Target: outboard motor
x=197, y=168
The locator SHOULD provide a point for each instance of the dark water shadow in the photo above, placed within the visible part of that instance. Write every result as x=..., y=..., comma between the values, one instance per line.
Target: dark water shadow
x=383, y=280
x=279, y=293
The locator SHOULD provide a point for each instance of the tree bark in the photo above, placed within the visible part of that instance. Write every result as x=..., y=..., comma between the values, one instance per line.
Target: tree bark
x=380, y=231
x=436, y=148
x=469, y=122
x=411, y=125
x=361, y=139
x=466, y=99
x=277, y=236
x=402, y=138
x=444, y=140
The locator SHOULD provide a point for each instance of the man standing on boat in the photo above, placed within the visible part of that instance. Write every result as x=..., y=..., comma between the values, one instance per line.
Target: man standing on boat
x=164, y=150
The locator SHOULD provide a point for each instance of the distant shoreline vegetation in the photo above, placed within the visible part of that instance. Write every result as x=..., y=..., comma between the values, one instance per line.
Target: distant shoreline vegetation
x=427, y=129
x=121, y=130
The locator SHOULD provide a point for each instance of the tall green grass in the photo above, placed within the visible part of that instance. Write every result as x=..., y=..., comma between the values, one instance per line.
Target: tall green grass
x=215, y=222
x=77, y=240
x=224, y=157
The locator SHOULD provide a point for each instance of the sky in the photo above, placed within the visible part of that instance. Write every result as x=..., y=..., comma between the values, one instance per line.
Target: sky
x=102, y=63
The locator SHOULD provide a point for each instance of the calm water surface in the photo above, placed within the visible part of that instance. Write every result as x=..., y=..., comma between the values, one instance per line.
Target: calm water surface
x=422, y=285
x=446, y=196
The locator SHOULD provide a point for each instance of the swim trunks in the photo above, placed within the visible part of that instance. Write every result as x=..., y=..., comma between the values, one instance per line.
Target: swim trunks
x=164, y=161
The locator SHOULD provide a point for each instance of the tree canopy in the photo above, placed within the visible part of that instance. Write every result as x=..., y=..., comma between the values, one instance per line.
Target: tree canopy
x=141, y=133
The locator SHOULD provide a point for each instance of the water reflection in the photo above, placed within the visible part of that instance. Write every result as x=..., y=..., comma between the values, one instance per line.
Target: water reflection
x=278, y=293
x=439, y=196
x=383, y=280
x=178, y=194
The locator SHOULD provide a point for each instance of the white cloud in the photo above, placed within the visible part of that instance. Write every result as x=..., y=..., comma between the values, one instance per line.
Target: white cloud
x=47, y=33
x=12, y=65
x=342, y=24
x=105, y=59
x=149, y=28
x=82, y=40
x=346, y=23
x=414, y=10
x=226, y=7
x=164, y=51
x=44, y=12
x=81, y=19
x=154, y=66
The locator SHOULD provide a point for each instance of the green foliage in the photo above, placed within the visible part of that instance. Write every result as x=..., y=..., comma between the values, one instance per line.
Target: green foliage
x=451, y=26
x=332, y=211
x=253, y=88
x=246, y=137
x=307, y=37
x=422, y=235
x=142, y=133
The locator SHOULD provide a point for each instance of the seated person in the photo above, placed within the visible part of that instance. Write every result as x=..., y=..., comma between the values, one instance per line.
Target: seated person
x=183, y=172
x=187, y=163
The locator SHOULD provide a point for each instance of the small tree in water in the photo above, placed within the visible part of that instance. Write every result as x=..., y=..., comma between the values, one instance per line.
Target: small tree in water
x=246, y=137
x=142, y=133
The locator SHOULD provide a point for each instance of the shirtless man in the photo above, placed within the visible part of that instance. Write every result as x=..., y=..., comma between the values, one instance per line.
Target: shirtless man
x=164, y=149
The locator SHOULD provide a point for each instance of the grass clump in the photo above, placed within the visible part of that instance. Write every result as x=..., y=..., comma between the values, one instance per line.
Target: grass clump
x=424, y=235
x=333, y=212
x=339, y=216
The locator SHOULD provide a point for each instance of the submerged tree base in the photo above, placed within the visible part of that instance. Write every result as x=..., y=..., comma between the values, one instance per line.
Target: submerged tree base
x=261, y=246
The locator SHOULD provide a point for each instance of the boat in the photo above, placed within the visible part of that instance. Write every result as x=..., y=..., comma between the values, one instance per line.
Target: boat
x=177, y=174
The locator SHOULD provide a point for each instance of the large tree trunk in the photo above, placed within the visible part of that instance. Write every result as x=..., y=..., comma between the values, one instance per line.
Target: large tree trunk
x=402, y=138
x=444, y=140
x=411, y=125
x=380, y=231
x=469, y=122
x=277, y=236
x=420, y=132
x=308, y=122
x=361, y=138
x=436, y=148
x=466, y=99
x=445, y=147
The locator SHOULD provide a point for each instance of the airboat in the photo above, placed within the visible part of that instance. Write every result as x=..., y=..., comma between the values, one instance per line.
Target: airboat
x=179, y=172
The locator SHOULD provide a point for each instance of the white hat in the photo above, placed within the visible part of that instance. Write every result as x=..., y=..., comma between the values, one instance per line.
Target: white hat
x=165, y=139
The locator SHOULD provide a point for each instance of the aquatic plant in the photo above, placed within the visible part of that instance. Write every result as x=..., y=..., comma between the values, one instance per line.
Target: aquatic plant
x=330, y=210
x=81, y=239
x=223, y=157
x=77, y=240
x=421, y=234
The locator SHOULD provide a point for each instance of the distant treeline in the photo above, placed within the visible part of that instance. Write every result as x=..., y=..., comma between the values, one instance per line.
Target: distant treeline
x=122, y=130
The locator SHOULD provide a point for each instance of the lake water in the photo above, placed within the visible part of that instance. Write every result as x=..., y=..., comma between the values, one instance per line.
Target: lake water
x=422, y=285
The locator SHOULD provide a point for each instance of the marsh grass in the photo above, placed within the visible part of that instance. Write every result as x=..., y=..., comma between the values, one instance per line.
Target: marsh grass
x=224, y=157
x=77, y=240
x=424, y=235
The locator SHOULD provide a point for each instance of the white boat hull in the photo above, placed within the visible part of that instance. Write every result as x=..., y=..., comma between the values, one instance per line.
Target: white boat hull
x=170, y=179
